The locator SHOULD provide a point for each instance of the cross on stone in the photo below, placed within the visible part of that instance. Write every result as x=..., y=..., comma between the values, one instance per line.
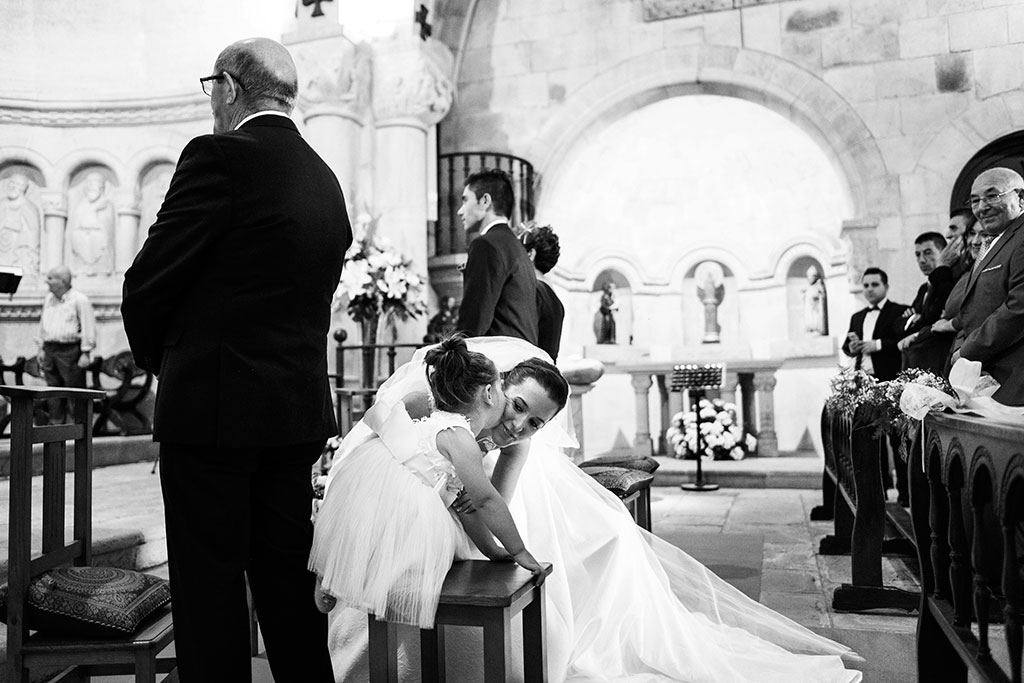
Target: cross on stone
x=317, y=12
x=421, y=18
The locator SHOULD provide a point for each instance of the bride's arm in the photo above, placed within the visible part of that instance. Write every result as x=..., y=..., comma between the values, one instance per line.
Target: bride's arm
x=508, y=466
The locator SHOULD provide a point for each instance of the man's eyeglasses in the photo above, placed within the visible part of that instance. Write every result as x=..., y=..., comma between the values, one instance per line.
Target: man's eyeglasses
x=990, y=199
x=207, y=82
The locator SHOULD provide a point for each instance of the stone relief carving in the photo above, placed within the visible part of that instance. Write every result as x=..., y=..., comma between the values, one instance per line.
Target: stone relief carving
x=410, y=84
x=151, y=196
x=20, y=223
x=861, y=240
x=334, y=73
x=90, y=231
x=83, y=114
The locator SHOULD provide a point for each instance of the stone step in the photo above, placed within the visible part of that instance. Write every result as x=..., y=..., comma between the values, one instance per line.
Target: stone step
x=106, y=451
x=796, y=471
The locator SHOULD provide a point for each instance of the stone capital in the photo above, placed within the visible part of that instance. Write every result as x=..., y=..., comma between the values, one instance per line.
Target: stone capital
x=412, y=82
x=861, y=240
x=765, y=381
x=334, y=77
x=54, y=204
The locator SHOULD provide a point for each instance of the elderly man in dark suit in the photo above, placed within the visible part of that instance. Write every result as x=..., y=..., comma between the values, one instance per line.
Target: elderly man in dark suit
x=499, y=295
x=228, y=301
x=991, y=319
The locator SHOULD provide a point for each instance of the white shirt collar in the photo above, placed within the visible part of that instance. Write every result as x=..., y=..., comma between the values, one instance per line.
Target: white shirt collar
x=881, y=304
x=250, y=117
x=496, y=221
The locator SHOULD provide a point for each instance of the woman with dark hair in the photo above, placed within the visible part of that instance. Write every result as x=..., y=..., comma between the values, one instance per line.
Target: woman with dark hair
x=621, y=604
x=542, y=246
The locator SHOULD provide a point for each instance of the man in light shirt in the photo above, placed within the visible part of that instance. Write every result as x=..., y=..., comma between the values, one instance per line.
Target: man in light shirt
x=67, y=336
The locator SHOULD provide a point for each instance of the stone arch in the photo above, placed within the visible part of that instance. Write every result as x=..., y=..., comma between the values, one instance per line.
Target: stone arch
x=23, y=156
x=777, y=84
x=953, y=147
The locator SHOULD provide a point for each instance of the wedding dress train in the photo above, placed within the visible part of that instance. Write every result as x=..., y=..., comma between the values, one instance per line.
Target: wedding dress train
x=623, y=605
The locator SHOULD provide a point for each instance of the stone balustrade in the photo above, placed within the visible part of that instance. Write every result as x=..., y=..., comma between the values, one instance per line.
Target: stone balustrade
x=754, y=380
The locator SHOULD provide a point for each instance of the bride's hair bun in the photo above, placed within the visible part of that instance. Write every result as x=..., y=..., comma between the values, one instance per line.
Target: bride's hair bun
x=455, y=373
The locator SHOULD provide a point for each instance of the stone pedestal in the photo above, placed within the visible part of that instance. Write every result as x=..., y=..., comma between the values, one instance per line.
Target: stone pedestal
x=581, y=375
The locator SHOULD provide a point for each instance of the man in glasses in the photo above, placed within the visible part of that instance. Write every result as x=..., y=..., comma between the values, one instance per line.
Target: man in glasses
x=992, y=313
x=228, y=301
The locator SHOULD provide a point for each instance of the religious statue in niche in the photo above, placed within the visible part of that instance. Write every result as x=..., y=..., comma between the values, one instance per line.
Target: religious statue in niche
x=91, y=229
x=815, y=304
x=606, y=315
x=711, y=290
x=20, y=222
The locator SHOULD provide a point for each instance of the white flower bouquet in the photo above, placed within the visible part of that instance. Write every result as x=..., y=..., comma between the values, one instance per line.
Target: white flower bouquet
x=720, y=433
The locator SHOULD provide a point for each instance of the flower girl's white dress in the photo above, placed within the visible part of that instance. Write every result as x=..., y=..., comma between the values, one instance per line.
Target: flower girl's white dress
x=622, y=605
x=384, y=537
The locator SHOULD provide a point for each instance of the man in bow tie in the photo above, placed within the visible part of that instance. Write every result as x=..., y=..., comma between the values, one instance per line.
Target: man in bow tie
x=991, y=319
x=872, y=340
x=876, y=330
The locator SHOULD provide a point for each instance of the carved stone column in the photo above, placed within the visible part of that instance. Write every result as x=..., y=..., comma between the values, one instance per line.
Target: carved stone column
x=767, y=441
x=642, y=388
x=581, y=375
x=55, y=220
x=126, y=232
x=334, y=93
x=412, y=92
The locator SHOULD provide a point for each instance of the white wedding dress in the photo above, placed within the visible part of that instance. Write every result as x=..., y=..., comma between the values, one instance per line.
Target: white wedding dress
x=623, y=606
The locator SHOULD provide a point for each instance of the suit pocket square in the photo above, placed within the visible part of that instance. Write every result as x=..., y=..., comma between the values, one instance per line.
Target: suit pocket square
x=991, y=268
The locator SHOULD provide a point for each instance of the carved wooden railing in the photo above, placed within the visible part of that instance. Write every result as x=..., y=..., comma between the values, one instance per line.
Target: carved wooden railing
x=853, y=463
x=971, y=568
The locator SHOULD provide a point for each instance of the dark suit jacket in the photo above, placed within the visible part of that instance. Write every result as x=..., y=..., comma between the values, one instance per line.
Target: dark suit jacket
x=499, y=288
x=550, y=314
x=889, y=329
x=229, y=299
x=992, y=315
x=929, y=352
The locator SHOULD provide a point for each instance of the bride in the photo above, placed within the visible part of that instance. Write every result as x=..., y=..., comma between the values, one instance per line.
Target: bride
x=623, y=605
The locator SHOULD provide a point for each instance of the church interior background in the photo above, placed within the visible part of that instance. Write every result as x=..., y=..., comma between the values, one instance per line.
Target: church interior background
x=751, y=156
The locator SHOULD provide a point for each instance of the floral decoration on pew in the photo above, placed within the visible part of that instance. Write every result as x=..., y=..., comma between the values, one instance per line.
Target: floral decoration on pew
x=723, y=439
x=377, y=280
x=876, y=405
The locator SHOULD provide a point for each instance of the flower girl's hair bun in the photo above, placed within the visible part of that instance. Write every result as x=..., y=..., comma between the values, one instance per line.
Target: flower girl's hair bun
x=455, y=373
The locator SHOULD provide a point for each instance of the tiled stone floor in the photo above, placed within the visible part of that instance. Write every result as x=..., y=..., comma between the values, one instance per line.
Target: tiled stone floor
x=794, y=579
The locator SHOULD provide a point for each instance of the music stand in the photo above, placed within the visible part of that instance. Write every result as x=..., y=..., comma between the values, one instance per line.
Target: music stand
x=10, y=278
x=696, y=380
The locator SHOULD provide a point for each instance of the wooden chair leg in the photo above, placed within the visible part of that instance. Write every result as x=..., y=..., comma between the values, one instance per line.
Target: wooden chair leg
x=383, y=651
x=535, y=660
x=145, y=667
x=432, y=654
x=497, y=645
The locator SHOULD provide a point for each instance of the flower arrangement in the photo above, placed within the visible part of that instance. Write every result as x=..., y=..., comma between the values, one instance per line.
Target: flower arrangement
x=377, y=280
x=875, y=404
x=720, y=432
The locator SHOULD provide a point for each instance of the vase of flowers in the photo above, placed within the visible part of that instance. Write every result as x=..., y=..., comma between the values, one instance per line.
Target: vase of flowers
x=720, y=433
x=377, y=282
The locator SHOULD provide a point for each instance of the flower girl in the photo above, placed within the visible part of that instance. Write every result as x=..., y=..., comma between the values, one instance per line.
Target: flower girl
x=386, y=534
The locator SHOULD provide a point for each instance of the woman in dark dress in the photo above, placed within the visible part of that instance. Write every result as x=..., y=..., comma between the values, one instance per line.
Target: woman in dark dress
x=542, y=245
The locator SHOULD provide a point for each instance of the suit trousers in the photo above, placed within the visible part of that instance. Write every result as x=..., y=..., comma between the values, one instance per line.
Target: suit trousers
x=232, y=513
x=60, y=369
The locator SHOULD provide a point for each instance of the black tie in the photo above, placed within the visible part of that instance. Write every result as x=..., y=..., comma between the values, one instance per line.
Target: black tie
x=874, y=308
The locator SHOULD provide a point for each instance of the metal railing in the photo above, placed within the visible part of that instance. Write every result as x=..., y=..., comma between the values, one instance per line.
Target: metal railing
x=452, y=170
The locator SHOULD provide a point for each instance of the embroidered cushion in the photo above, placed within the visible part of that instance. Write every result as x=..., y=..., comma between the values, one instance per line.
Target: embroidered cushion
x=619, y=480
x=644, y=463
x=90, y=601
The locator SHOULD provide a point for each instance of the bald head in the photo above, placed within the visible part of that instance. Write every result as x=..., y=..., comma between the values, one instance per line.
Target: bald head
x=58, y=280
x=265, y=70
x=996, y=199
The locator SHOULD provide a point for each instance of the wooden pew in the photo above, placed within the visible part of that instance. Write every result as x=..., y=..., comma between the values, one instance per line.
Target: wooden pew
x=853, y=461
x=971, y=569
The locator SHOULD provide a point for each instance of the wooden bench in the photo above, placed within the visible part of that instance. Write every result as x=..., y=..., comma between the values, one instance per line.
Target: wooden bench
x=853, y=462
x=971, y=569
x=475, y=593
x=630, y=479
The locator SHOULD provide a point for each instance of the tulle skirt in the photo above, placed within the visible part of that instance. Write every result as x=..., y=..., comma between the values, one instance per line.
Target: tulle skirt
x=383, y=541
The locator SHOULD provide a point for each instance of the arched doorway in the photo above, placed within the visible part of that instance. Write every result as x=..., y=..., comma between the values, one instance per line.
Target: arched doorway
x=1007, y=151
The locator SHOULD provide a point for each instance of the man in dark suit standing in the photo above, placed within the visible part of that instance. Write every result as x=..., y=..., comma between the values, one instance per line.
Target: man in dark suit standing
x=926, y=351
x=876, y=330
x=872, y=340
x=499, y=290
x=228, y=301
x=991, y=319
